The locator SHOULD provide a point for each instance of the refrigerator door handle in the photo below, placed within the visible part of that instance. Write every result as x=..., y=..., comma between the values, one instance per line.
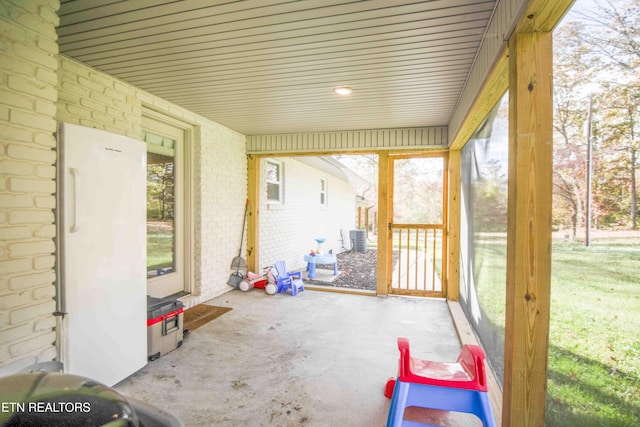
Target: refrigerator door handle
x=75, y=175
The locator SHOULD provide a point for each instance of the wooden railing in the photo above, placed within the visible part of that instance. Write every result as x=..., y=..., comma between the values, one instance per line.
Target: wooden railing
x=418, y=256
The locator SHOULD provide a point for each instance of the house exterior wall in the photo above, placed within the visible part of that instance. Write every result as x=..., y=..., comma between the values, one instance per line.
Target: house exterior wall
x=288, y=230
x=218, y=162
x=28, y=76
x=220, y=194
x=40, y=88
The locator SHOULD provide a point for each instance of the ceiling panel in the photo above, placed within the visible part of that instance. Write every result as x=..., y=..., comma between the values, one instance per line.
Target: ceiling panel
x=264, y=67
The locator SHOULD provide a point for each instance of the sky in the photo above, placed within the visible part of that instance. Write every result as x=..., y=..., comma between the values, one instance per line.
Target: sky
x=584, y=6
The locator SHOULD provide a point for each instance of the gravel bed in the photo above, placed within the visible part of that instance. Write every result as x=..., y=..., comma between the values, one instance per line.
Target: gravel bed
x=358, y=270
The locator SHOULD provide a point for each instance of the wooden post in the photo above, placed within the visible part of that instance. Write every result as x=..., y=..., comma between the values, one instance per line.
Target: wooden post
x=587, y=223
x=453, y=226
x=528, y=229
x=253, y=223
x=384, y=246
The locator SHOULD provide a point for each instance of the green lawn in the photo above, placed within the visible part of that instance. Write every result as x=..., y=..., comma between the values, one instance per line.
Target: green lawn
x=159, y=249
x=594, y=342
x=594, y=354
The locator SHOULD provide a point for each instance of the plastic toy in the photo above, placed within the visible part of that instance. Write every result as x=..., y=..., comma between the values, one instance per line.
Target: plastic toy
x=264, y=281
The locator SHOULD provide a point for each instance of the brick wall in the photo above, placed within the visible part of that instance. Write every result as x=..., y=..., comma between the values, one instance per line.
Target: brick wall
x=39, y=88
x=91, y=98
x=218, y=162
x=288, y=231
x=219, y=166
x=221, y=191
x=28, y=67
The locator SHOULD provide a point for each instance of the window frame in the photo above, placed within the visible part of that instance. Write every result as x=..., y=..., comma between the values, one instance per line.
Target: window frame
x=160, y=124
x=324, y=192
x=279, y=182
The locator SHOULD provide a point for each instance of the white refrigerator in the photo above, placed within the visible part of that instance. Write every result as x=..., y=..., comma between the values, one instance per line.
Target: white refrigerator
x=102, y=253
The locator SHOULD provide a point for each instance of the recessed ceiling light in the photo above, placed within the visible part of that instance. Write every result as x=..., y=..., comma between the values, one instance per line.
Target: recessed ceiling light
x=343, y=90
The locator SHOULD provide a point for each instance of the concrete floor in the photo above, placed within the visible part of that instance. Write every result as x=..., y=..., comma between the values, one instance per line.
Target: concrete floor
x=318, y=359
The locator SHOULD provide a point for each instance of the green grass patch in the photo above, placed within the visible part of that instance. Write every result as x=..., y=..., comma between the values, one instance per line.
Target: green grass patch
x=594, y=341
x=491, y=269
x=159, y=250
x=594, y=352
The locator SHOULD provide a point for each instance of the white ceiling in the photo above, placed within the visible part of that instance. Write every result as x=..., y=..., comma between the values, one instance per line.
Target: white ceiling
x=269, y=66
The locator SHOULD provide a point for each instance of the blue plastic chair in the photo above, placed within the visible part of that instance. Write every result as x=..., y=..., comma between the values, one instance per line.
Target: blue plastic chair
x=460, y=386
x=288, y=279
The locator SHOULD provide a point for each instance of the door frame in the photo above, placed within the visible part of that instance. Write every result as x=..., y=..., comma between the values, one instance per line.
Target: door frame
x=184, y=158
x=385, y=221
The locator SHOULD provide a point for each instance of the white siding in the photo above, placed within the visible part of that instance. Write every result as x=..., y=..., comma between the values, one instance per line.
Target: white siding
x=287, y=231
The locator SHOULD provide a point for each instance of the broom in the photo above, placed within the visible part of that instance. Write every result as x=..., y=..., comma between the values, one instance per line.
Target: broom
x=239, y=262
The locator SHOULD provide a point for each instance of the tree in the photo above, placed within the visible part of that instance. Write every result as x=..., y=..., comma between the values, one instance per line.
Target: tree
x=620, y=114
x=613, y=35
x=490, y=198
x=602, y=47
x=612, y=32
x=160, y=188
x=573, y=74
x=365, y=165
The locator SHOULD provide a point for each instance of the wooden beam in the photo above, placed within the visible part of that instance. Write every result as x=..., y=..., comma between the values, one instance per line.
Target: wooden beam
x=384, y=248
x=453, y=227
x=528, y=229
x=253, y=214
x=491, y=92
x=445, y=229
x=539, y=16
x=542, y=16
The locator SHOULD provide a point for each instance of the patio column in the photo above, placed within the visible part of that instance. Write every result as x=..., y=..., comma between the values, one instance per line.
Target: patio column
x=528, y=229
x=453, y=227
x=384, y=231
x=253, y=223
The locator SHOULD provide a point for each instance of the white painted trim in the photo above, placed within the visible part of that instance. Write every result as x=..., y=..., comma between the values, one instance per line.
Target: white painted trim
x=349, y=141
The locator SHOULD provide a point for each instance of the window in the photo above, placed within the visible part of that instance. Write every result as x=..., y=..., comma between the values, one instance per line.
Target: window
x=161, y=208
x=323, y=192
x=274, y=182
